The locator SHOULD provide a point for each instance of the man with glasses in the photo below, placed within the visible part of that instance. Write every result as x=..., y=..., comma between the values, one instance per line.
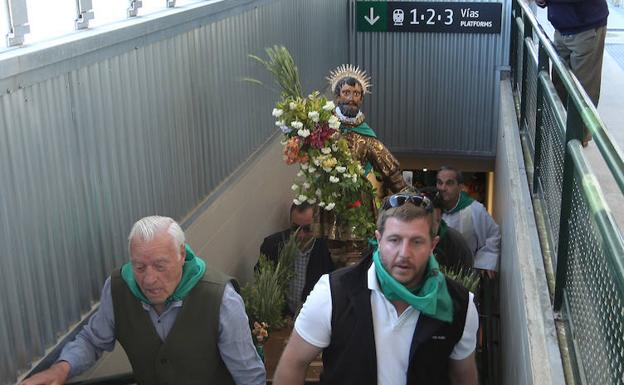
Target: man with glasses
x=314, y=258
x=471, y=219
x=391, y=319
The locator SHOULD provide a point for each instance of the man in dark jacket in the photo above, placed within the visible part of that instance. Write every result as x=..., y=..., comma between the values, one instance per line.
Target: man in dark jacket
x=452, y=251
x=314, y=258
x=580, y=30
x=391, y=319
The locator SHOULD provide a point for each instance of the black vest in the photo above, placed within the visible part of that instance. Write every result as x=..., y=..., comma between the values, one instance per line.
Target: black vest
x=189, y=355
x=350, y=357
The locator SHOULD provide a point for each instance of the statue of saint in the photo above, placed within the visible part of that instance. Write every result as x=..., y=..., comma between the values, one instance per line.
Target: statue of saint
x=349, y=84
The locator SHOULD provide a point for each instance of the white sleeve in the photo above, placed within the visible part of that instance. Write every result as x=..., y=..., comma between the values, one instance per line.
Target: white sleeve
x=313, y=323
x=468, y=341
x=488, y=239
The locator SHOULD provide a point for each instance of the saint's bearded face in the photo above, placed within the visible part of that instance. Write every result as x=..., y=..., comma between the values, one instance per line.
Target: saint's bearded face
x=350, y=100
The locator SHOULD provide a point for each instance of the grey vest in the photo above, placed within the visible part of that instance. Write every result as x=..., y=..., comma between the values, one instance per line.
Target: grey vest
x=190, y=354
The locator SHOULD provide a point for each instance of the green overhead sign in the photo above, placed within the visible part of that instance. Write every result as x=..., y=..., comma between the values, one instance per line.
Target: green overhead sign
x=418, y=16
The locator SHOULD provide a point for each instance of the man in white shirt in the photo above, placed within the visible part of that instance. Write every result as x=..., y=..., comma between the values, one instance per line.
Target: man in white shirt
x=471, y=219
x=393, y=318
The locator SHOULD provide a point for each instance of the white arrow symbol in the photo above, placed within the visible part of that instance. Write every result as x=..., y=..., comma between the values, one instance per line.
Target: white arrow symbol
x=372, y=19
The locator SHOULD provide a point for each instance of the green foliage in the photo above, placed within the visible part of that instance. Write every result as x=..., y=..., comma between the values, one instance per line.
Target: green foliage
x=265, y=297
x=281, y=64
x=464, y=276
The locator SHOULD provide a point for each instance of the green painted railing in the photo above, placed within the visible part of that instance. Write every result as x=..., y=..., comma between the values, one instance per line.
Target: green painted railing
x=589, y=286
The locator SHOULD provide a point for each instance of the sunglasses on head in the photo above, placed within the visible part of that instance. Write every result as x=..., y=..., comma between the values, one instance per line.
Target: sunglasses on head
x=304, y=228
x=398, y=200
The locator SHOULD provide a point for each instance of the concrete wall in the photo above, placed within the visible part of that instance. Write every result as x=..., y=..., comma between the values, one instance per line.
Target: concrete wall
x=227, y=229
x=530, y=352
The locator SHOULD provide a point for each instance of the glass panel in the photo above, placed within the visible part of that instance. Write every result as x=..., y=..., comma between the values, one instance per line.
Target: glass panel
x=151, y=6
x=50, y=19
x=108, y=11
x=184, y=2
x=4, y=22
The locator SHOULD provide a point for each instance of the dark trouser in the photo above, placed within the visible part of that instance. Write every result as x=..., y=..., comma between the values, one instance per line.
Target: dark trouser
x=583, y=53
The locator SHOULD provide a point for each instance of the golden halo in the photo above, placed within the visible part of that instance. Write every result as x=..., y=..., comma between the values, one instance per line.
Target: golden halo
x=349, y=70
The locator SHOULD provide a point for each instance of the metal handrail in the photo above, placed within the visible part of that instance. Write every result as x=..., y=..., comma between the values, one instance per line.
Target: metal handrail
x=600, y=213
x=118, y=379
x=611, y=153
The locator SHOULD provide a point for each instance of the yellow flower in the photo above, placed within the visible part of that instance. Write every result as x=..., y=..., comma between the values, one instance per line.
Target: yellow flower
x=329, y=163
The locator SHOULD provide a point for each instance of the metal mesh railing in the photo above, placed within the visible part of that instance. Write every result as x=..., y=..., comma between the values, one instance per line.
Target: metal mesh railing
x=518, y=37
x=587, y=243
x=531, y=94
x=593, y=308
x=551, y=172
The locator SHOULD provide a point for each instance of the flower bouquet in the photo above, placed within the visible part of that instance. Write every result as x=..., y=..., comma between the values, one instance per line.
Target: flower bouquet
x=260, y=332
x=328, y=175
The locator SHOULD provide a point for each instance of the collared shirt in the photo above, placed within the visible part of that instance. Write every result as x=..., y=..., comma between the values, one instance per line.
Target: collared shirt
x=234, y=341
x=393, y=332
x=297, y=283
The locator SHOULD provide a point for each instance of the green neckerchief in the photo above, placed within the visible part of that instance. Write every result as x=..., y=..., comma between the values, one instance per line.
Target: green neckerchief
x=192, y=271
x=464, y=201
x=431, y=297
x=442, y=228
x=362, y=129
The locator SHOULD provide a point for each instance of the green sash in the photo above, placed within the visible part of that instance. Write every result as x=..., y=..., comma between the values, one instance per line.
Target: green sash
x=464, y=201
x=431, y=297
x=362, y=129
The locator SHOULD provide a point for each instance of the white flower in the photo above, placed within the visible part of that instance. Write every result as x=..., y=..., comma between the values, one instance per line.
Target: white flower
x=277, y=112
x=335, y=148
x=280, y=123
x=326, y=150
x=296, y=201
x=329, y=106
x=354, y=178
x=302, y=198
x=318, y=192
x=321, y=204
x=334, y=123
x=294, y=187
x=304, y=166
x=304, y=132
x=330, y=206
x=297, y=125
x=334, y=179
x=292, y=105
x=306, y=185
x=311, y=201
x=314, y=116
x=316, y=162
x=341, y=169
x=327, y=169
x=312, y=168
x=300, y=174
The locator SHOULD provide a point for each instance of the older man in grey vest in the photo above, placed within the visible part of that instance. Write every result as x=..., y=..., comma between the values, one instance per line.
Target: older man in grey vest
x=179, y=321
